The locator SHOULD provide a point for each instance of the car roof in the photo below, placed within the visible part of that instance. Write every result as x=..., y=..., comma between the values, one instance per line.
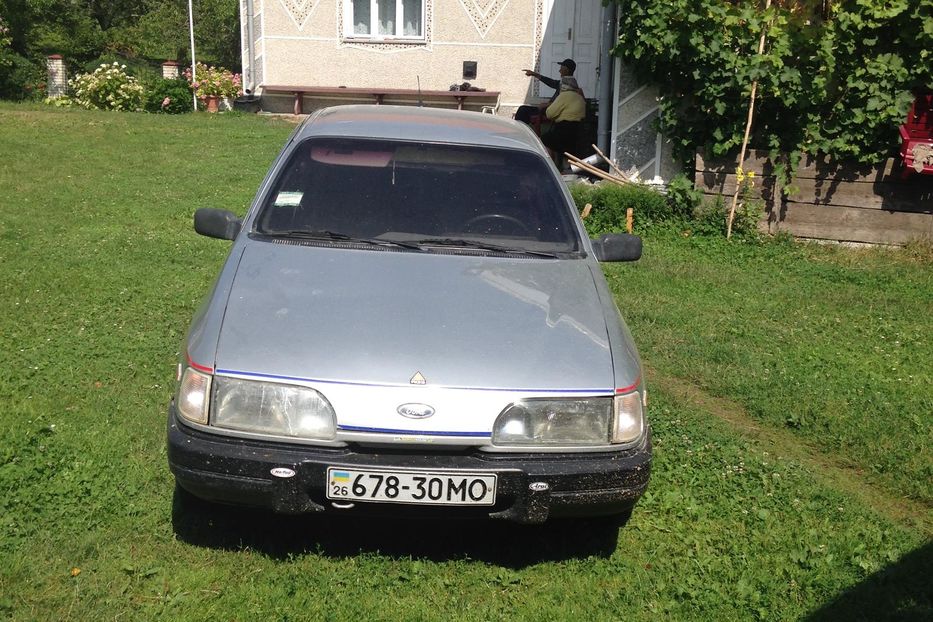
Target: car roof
x=420, y=124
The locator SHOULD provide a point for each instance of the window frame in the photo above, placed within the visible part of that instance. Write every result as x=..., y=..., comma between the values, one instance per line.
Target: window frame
x=373, y=36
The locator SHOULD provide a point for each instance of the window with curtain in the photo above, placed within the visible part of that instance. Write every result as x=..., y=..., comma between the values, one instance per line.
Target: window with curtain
x=385, y=19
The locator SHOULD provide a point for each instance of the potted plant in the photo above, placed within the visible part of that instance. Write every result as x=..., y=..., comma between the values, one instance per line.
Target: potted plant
x=211, y=84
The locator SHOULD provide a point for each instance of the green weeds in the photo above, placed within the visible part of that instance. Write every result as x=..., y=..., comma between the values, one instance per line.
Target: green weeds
x=681, y=209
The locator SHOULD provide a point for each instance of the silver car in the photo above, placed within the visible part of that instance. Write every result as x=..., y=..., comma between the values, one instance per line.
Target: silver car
x=412, y=321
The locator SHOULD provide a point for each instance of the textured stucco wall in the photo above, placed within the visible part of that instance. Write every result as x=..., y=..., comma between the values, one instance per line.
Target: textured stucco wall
x=635, y=142
x=301, y=43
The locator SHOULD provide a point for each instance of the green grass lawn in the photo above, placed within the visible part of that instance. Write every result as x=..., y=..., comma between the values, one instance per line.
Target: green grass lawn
x=834, y=344
x=790, y=397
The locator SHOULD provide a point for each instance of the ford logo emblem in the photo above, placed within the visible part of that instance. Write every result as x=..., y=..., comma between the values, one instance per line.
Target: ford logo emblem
x=415, y=411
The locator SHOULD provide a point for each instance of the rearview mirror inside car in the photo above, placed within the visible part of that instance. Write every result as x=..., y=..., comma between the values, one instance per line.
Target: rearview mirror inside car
x=216, y=223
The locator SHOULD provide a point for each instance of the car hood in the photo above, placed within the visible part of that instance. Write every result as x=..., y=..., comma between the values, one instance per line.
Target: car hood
x=386, y=318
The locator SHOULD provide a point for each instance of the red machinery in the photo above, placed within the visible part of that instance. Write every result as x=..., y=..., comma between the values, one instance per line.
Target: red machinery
x=917, y=137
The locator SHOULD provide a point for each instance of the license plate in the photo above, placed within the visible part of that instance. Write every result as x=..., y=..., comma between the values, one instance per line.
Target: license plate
x=419, y=487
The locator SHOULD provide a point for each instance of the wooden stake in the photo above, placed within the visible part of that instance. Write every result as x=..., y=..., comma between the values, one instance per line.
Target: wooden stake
x=610, y=163
x=629, y=219
x=748, y=130
x=586, y=210
x=594, y=171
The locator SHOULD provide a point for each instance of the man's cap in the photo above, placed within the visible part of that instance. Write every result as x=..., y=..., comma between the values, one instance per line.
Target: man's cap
x=569, y=64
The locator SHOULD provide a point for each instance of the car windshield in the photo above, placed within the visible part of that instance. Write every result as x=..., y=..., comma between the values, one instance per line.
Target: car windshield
x=420, y=196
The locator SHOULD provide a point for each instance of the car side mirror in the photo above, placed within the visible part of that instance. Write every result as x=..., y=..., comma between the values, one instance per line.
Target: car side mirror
x=617, y=247
x=217, y=223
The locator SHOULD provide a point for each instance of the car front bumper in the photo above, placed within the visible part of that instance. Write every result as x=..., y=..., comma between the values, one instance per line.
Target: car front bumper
x=238, y=471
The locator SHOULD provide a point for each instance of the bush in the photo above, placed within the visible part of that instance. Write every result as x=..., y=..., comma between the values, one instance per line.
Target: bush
x=610, y=202
x=834, y=78
x=6, y=41
x=169, y=96
x=142, y=70
x=683, y=196
x=709, y=218
x=20, y=77
x=683, y=208
x=108, y=88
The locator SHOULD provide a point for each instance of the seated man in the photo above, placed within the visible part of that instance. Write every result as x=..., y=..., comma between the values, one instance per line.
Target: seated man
x=566, y=68
x=566, y=114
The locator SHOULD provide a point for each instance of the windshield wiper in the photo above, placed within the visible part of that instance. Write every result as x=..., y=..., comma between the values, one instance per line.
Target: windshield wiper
x=312, y=234
x=485, y=246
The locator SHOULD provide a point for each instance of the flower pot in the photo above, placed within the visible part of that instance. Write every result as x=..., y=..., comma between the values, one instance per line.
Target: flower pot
x=213, y=103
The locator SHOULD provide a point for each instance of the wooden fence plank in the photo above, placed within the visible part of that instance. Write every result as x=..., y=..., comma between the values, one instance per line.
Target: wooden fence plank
x=808, y=168
x=891, y=196
x=725, y=184
x=831, y=200
x=756, y=161
x=885, y=195
x=822, y=168
x=851, y=224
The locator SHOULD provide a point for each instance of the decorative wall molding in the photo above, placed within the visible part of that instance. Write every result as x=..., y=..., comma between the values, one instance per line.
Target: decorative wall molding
x=299, y=10
x=483, y=13
x=539, y=41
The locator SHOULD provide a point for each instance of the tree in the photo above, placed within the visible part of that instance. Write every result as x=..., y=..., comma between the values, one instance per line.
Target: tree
x=87, y=31
x=835, y=81
x=161, y=33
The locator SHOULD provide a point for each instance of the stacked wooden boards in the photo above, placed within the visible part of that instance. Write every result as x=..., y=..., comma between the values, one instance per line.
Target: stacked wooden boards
x=829, y=200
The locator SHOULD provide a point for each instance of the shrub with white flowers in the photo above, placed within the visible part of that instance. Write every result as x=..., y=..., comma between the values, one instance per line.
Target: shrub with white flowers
x=108, y=88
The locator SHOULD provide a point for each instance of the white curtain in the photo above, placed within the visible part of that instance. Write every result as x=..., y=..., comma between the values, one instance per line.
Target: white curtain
x=386, y=17
x=361, y=17
x=412, y=10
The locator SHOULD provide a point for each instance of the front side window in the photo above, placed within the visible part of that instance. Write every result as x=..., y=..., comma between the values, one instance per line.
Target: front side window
x=422, y=195
x=385, y=19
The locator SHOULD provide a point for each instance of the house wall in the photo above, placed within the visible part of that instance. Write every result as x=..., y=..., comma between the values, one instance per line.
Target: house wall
x=301, y=43
x=636, y=144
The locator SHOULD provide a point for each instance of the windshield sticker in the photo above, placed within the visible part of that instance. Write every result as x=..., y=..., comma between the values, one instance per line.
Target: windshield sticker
x=288, y=199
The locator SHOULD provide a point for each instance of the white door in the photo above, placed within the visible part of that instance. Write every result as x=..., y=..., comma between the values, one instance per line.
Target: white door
x=572, y=31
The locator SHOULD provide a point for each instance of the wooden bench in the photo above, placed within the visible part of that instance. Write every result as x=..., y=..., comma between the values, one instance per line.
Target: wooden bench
x=483, y=99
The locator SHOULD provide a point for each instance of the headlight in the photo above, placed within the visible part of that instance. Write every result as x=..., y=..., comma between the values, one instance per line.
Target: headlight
x=554, y=422
x=581, y=422
x=193, y=396
x=628, y=418
x=268, y=408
